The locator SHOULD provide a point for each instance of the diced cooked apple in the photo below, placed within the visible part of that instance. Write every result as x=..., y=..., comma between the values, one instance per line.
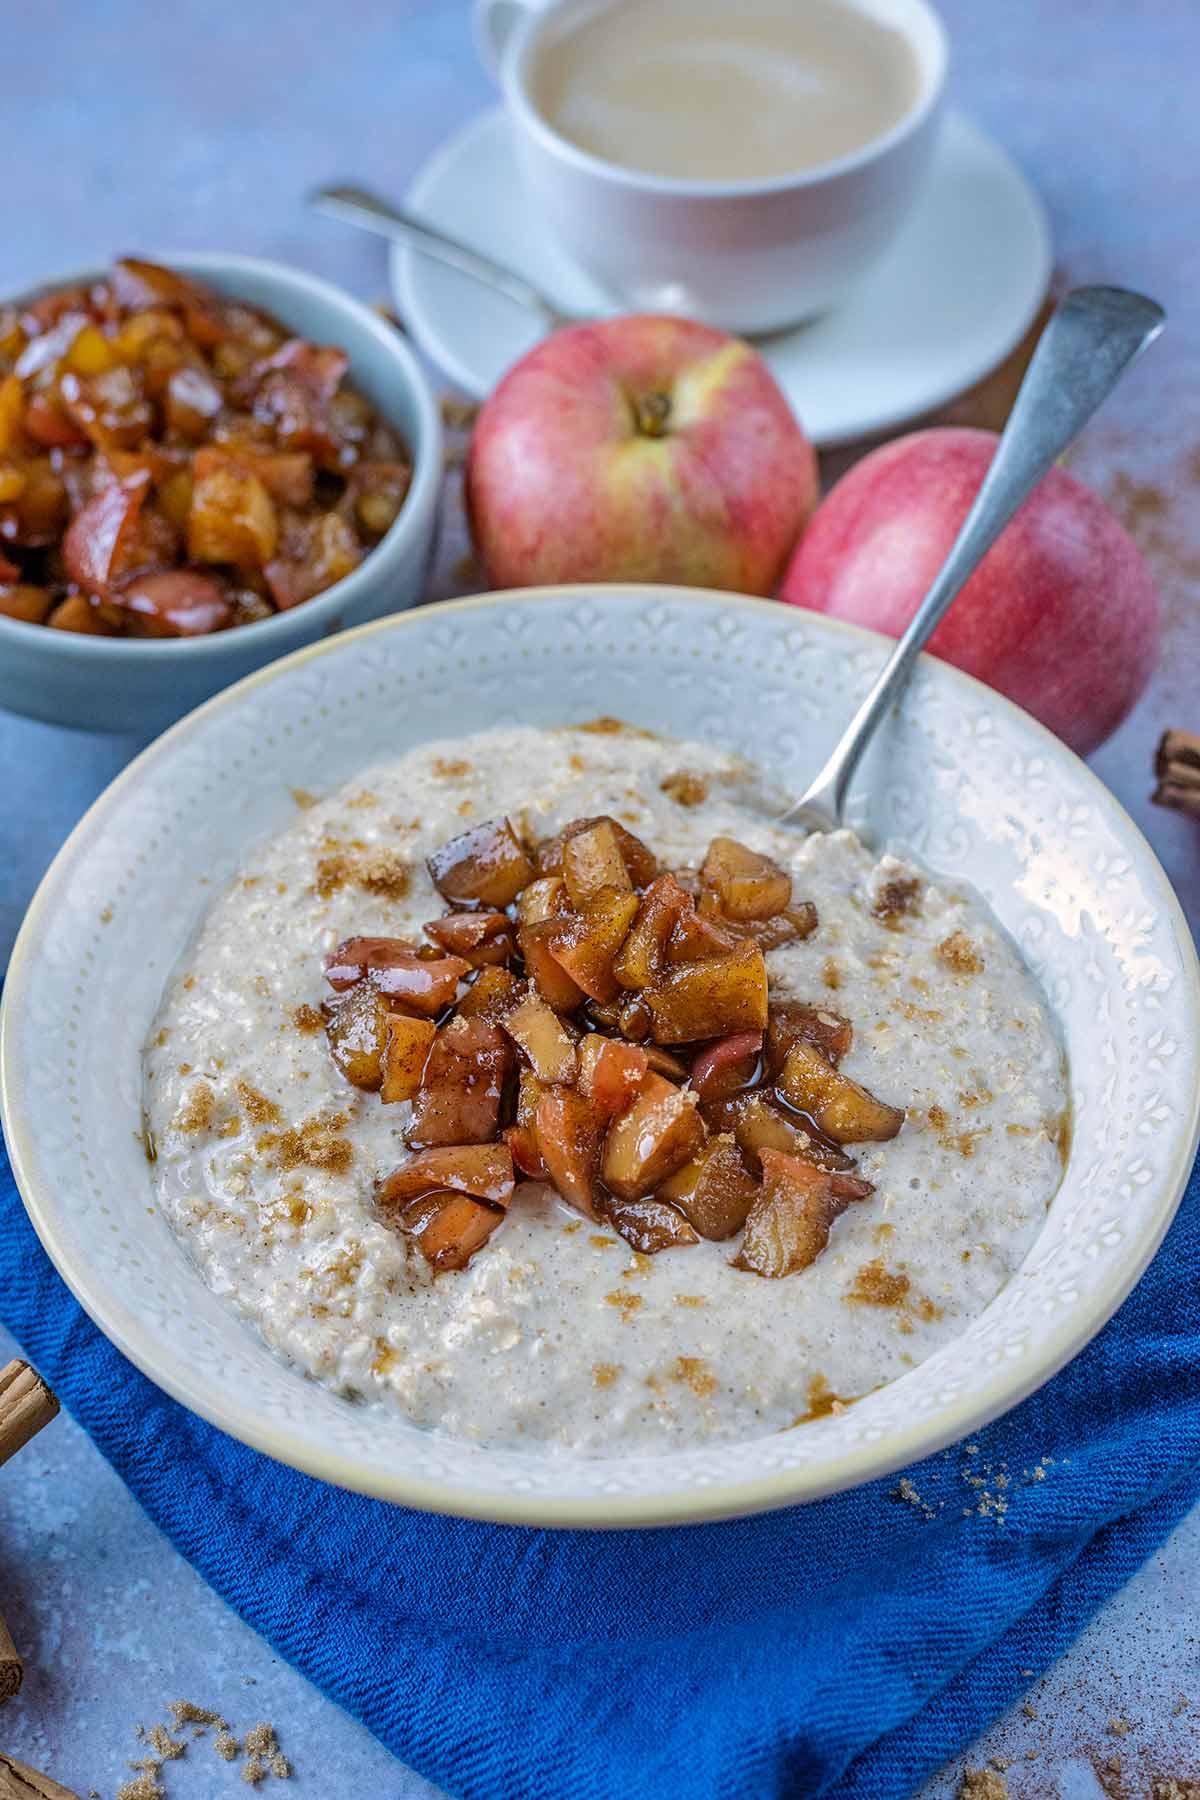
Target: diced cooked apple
x=838, y=1106
x=644, y=951
x=759, y=1125
x=480, y=938
x=592, y=864
x=458, y=1101
x=424, y=984
x=548, y=975
x=638, y=859
x=789, y=1223
x=407, y=1046
x=526, y=1156
x=698, y=936
x=714, y=1190
x=727, y=1066
x=354, y=956
x=586, y=944
x=791, y=926
x=543, y=899
x=356, y=1028
x=536, y=1028
x=659, y=1133
x=665, y=1062
x=710, y=999
x=493, y=994
x=485, y=866
x=792, y=1020
x=633, y=1019
x=650, y=1224
x=568, y=1141
x=93, y=546
x=852, y=1187
x=19, y=600
x=483, y=1170
x=748, y=885
x=611, y=1074
x=452, y=1230
x=232, y=517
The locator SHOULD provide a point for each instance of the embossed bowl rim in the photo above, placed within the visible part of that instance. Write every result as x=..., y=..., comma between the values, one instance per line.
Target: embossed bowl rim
x=236, y=1413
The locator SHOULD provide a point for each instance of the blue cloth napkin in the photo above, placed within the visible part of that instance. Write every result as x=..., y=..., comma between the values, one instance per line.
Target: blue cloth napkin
x=845, y=1648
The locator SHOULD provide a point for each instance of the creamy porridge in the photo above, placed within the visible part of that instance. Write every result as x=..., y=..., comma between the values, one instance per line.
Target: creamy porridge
x=849, y=1191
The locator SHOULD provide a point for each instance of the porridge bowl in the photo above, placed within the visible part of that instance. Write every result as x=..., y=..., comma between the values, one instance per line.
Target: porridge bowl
x=1034, y=1010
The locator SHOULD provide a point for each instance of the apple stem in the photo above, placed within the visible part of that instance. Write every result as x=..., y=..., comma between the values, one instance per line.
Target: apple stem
x=651, y=413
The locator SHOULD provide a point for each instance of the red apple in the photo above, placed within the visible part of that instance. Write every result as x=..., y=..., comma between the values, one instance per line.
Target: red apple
x=639, y=449
x=1061, y=614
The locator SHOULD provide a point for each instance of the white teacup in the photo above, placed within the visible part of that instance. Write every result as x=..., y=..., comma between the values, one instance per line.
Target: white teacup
x=750, y=255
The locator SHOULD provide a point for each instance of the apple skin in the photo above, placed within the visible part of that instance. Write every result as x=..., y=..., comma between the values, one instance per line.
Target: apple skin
x=1061, y=615
x=563, y=483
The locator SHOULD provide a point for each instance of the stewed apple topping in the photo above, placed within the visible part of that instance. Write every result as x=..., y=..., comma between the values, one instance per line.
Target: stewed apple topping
x=584, y=1018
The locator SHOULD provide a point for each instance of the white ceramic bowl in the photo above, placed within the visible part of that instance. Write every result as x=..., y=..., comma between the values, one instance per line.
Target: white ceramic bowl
x=142, y=684
x=964, y=779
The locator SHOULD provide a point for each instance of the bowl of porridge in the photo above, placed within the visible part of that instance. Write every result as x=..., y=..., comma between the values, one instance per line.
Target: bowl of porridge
x=498, y=1111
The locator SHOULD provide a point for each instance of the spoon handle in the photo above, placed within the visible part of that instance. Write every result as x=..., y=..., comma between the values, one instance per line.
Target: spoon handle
x=1091, y=339
x=358, y=207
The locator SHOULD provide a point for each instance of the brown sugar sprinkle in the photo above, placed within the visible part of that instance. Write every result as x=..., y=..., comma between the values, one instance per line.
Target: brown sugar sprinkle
x=363, y=799
x=876, y=1285
x=188, y=983
x=959, y=954
x=601, y=1241
x=831, y=974
x=185, y=1713
x=307, y=1018
x=822, y=1401
x=449, y=768
x=695, y=1373
x=165, y=1747
x=896, y=898
x=226, y=1746
x=983, y=1784
x=197, y=1114
x=230, y=1127
x=693, y=1300
x=314, y=1145
x=145, y=1785
x=604, y=1374
x=162, y=1037
x=458, y=415
x=907, y=1491
x=261, y=1110
x=938, y=1118
x=606, y=726
x=185, y=1068
x=685, y=788
x=626, y=1302
x=303, y=798
x=379, y=872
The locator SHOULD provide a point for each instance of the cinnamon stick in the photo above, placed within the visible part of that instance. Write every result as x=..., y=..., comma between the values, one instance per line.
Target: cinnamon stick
x=11, y=1667
x=26, y=1404
x=1177, y=766
x=19, y=1782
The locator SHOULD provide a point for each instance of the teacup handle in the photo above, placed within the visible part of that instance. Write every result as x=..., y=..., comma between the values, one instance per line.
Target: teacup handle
x=495, y=22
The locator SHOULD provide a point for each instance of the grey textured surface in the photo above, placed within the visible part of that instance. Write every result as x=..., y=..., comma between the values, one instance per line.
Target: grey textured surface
x=139, y=127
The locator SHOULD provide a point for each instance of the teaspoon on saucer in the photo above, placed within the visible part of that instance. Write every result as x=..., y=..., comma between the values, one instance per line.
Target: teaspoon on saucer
x=1089, y=341
x=358, y=207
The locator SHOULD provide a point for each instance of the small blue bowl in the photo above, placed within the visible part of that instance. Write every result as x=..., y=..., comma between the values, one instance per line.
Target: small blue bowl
x=143, y=684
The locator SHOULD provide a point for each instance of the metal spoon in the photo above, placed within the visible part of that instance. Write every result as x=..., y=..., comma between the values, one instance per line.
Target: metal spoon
x=358, y=207
x=1089, y=342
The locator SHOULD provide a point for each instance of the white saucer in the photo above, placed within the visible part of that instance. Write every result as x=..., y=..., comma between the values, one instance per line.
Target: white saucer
x=956, y=292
